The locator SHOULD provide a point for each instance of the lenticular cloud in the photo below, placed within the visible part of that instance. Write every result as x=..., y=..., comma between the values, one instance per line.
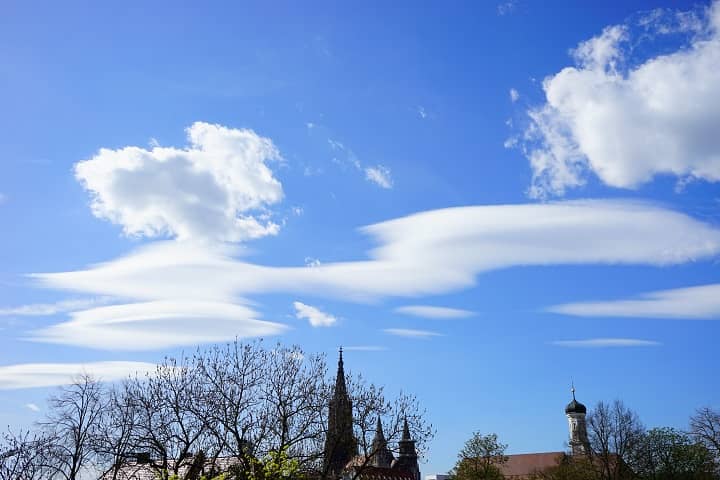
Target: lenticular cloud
x=217, y=188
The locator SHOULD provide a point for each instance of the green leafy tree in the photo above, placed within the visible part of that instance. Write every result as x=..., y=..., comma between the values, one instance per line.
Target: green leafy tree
x=667, y=454
x=481, y=458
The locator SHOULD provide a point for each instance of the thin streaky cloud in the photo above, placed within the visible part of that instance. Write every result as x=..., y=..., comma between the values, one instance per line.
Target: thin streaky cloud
x=412, y=333
x=43, y=309
x=700, y=302
x=606, y=343
x=430, y=311
x=32, y=407
x=365, y=348
x=35, y=375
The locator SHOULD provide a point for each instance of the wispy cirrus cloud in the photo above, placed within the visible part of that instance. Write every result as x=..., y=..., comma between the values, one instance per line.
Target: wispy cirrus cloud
x=34, y=375
x=32, y=407
x=431, y=311
x=379, y=175
x=606, y=343
x=700, y=302
x=314, y=315
x=626, y=121
x=411, y=333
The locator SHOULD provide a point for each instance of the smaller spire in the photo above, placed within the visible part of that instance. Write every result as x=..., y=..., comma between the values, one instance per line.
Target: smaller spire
x=406, y=430
x=572, y=388
x=378, y=430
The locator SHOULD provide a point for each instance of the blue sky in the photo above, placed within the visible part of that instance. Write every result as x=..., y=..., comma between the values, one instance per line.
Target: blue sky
x=542, y=175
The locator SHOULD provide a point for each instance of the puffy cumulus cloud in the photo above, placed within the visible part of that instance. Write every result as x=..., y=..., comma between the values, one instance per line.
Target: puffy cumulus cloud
x=627, y=122
x=606, y=342
x=157, y=325
x=217, y=188
x=701, y=302
x=514, y=95
x=32, y=375
x=429, y=311
x=379, y=175
x=411, y=333
x=315, y=316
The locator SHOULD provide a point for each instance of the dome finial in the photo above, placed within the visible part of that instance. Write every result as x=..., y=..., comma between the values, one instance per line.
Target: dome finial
x=572, y=388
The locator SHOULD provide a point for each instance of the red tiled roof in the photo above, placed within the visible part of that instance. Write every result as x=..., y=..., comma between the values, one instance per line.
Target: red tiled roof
x=379, y=473
x=524, y=464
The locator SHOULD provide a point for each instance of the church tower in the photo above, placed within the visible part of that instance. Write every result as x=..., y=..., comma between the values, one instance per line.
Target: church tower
x=381, y=454
x=407, y=455
x=340, y=443
x=575, y=413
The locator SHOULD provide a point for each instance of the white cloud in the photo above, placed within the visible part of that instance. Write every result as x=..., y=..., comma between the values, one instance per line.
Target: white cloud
x=411, y=333
x=606, y=342
x=315, y=316
x=312, y=262
x=507, y=7
x=514, y=95
x=431, y=252
x=427, y=253
x=628, y=125
x=701, y=302
x=157, y=325
x=32, y=407
x=429, y=311
x=31, y=375
x=422, y=112
x=217, y=188
x=379, y=175
x=44, y=309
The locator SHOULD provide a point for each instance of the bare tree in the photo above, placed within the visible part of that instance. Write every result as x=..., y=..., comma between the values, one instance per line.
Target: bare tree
x=114, y=443
x=71, y=426
x=234, y=374
x=294, y=396
x=615, y=433
x=22, y=455
x=705, y=427
x=172, y=419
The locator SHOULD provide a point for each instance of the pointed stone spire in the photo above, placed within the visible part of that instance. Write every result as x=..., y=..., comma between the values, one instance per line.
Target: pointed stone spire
x=378, y=430
x=340, y=443
x=340, y=387
x=407, y=455
x=406, y=430
x=381, y=454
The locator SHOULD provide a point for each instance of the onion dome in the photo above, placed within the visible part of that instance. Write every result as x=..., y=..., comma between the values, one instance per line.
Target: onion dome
x=575, y=406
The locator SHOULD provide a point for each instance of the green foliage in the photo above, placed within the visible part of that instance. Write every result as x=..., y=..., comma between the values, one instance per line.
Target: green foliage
x=665, y=453
x=277, y=465
x=480, y=459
